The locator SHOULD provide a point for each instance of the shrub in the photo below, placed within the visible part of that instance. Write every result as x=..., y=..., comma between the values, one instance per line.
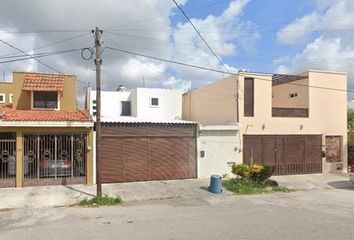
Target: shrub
x=247, y=186
x=263, y=175
x=254, y=172
x=104, y=200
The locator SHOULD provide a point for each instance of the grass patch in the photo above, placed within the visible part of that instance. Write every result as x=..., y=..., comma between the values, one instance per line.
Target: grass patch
x=245, y=186
x=104, y=200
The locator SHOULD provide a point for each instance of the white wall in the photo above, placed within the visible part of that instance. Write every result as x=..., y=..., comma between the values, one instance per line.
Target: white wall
x=111, y=106
x=220, y=148
x=170, y=104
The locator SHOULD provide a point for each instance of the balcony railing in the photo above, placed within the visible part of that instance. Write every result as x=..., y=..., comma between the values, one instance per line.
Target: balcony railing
x=290, y=112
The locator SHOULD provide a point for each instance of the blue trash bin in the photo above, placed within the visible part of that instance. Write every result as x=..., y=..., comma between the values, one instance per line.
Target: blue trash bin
x=215, y=184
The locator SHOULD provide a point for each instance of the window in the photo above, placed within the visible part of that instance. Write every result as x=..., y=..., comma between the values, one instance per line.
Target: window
x=292, y=95
x=2, y=97
x=94, y=101
x=46, y=100
x=154, y=102
x=11, y=97
x=249, y=97
x=126, y=108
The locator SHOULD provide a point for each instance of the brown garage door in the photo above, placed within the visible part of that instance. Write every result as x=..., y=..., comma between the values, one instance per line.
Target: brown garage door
x=141, y=152
x=290, y=154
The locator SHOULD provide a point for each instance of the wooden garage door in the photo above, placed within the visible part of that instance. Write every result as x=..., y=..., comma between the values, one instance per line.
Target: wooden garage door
x=141, y=152
x=290, y=154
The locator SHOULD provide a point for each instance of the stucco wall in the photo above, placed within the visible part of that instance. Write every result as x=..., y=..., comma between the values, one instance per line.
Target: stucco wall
x=220, y=149
x=6, y=88
x=213, y=104
x=170, y=104
x=281, y=92
x=111, y=106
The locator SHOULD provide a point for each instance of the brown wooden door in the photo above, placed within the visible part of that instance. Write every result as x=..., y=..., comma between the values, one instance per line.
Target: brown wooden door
x=290, y=154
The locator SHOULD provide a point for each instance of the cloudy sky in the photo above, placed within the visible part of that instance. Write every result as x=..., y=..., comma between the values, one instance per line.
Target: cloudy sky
x=283, y=36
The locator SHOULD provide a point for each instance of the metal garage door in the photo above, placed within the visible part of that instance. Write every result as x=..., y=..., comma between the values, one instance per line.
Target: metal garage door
x=141, y=152
x=290, y=154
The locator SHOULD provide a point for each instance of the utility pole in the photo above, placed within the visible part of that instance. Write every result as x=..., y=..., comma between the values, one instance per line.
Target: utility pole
x=98, y=62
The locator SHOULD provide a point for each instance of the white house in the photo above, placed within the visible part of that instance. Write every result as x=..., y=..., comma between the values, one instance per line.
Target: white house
x=153, y=104
x=143, y=130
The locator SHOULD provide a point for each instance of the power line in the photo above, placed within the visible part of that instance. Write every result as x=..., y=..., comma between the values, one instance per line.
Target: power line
x=162, y=16
x=17, y=58
x=51, y=44
x=206, y=43
x=167, y=43
x=218, y=71
x=34, y=58
x=45, y=31
x=216, y=56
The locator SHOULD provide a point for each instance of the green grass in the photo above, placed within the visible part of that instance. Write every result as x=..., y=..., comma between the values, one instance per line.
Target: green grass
x=104, y=200
x=244, y=186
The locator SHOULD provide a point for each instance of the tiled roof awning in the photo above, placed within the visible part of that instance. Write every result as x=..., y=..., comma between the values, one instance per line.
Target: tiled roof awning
x=43, y=82
x=9, y=114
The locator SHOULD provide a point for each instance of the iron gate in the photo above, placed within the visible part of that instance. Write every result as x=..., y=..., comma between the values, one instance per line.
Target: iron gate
x=7, y=159
x=54, y=159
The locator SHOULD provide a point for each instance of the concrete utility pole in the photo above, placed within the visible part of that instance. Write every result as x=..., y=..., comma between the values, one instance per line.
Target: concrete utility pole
x=98, y=62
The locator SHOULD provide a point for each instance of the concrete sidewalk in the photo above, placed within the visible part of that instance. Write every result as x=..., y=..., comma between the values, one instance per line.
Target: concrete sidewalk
x=49, y=196
x=315, y=181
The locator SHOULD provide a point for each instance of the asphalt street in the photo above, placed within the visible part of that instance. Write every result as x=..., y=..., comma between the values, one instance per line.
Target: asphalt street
x=307, y=214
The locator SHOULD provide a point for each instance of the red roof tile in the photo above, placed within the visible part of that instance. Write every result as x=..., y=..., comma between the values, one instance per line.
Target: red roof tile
x=9, y=114
x=43, y=82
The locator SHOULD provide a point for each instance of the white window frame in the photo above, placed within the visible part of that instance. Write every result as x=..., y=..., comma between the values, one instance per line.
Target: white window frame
x=154, y=106
x=3, y=97
x=32, y=100
x=11, y=98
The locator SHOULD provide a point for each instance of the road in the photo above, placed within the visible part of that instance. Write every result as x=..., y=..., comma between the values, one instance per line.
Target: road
x=311, y=214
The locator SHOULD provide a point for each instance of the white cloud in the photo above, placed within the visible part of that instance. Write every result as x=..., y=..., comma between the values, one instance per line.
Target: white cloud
x=176, y=83
x=133, y=25
x=298, y=29
x=332, y=46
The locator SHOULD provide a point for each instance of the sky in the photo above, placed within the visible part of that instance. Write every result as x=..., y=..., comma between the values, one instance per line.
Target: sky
x=280, y=36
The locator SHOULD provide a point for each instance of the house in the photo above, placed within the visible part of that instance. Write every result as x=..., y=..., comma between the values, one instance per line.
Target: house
x=44, y=138
x=143, y=136
x=297, y=123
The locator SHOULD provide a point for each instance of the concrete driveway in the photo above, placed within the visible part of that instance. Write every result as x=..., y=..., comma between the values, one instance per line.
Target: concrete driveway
x=35, y=197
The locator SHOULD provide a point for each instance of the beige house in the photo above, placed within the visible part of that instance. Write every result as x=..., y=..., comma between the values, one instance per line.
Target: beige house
x=297, y=123
x=44, y=138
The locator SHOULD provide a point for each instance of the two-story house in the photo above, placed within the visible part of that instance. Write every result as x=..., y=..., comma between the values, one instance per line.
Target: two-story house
x=297, y=123
x=143, y=136
x=44, y=138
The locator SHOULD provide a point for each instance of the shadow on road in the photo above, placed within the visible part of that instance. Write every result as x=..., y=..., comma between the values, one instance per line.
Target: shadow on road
x=80, y=191
x=342, y=185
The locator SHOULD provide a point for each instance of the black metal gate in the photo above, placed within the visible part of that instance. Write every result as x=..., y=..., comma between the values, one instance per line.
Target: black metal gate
x=7, y=159
x=54, y=159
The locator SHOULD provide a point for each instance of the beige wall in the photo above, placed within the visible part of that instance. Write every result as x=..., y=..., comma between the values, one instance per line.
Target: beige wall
x=281, y=92
x=327, y=108
x=6, y=88
x=22, y=99
x=213, y=104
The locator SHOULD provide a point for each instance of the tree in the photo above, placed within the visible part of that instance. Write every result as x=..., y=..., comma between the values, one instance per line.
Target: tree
x=350, y=128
